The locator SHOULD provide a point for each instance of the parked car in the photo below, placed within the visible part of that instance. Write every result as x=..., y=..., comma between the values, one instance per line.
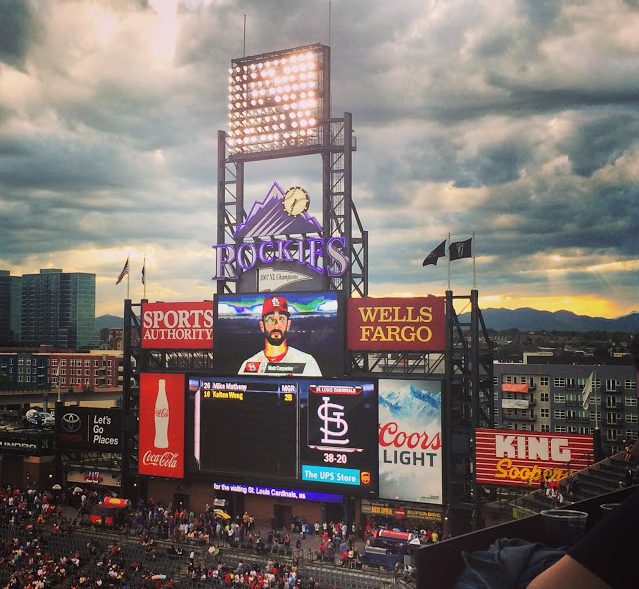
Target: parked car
x=39, y=418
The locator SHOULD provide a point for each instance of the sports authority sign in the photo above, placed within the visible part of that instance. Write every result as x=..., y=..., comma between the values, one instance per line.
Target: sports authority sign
x=396, y=324
x=508, y=458
x=186, y=326
x=161, y=425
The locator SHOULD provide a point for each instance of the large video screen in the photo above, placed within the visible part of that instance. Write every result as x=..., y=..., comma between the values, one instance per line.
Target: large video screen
x=279, y=334
x=302, y=433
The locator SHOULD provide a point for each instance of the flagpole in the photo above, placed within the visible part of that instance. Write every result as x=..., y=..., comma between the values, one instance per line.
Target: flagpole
x=128, y=283
x=473, y=250
x=144, y=276
x=448, y=250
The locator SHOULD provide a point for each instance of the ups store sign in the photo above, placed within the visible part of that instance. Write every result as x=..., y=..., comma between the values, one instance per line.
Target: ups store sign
x=89, y=428
x=26, y=444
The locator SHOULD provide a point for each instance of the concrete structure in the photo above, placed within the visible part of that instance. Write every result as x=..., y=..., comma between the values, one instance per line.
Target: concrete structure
x=552, y=401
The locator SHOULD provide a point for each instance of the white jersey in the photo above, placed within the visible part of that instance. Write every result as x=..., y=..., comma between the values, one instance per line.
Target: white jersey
x=294, y=362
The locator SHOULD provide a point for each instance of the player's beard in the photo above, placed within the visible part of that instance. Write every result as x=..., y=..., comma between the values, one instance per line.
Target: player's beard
x=276, y=341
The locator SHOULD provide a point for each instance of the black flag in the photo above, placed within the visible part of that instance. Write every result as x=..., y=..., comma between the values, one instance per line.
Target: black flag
x=460, y=249
x=438, y=252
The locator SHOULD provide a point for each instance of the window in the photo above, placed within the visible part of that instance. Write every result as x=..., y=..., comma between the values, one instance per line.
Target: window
x=560, y=414
x=585, y=430
x=611, y=402
x=571, y=414
x=544, y=397
x=544, y=381
x=63, y=362
x=560, y=398
x=508, y=378
x=631, y=417
x=561, y=429
x=631, y=435
x=611, y=418
x=524, y=427
x=611, y=384
x=545, y=427
x=87, y=363
x=572, y=429
x=109, y=363
x=629, y=385
x=611, y=435
x=544, y=413
x=630, y=401
x=571, y=383
x=20, y=361
x=54, y=362
x=559, y=382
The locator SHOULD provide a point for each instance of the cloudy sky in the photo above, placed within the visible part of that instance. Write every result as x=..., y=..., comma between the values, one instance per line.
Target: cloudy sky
x=515, y=119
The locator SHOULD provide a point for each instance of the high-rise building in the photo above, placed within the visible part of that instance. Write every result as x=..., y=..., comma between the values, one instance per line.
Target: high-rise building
x=10, y=308
x=58, y=309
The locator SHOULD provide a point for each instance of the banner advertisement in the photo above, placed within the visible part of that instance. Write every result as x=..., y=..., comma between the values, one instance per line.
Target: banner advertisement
x=283, y=334
x=409, y=440
x=26, y=443
x=523, y=459
x=161, y=451
x=396, y=324
x=511, y=387
x=300, y=433
x=186, y=326
x=399, y=511
x=515, y=404
x=88, y=428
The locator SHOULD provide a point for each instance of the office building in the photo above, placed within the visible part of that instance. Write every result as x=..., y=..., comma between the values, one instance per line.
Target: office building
x=549, y=398
x=58, y=309
x=10, y=308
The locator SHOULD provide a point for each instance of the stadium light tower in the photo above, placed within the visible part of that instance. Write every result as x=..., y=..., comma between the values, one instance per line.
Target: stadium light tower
x=278, y=102
x=279, y=106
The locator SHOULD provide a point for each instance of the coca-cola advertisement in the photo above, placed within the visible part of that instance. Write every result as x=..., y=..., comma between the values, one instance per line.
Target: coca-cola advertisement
x=187, y=326
x=161, y=425
x=410, y=455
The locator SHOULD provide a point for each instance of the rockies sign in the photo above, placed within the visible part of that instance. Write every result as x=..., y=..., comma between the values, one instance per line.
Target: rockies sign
x=88, y=428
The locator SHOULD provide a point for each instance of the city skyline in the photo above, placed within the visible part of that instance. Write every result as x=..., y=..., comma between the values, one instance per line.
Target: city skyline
x=514, y=121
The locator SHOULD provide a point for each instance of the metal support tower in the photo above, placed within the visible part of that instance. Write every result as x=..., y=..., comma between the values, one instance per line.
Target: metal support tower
x=468, y=405
x=339, y=215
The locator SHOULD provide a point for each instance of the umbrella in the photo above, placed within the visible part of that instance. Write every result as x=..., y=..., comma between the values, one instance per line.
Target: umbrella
x=221, y=513
x=56, y=487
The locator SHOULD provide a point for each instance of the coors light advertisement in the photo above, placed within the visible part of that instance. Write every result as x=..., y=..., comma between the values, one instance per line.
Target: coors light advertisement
x=410, y=457
x=161, y=425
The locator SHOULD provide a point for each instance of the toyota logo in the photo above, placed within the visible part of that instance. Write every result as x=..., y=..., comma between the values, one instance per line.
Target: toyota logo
x=70, y=422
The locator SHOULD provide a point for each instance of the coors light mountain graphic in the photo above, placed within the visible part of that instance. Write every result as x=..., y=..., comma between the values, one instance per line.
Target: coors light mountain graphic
x=410, y=467
x=268, y=217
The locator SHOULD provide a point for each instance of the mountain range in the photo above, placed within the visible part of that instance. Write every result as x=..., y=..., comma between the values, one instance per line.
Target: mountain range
x=527, y=319
x=524, y=319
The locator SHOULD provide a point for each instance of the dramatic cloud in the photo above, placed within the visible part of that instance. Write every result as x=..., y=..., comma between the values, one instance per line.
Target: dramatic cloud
x=516, y=120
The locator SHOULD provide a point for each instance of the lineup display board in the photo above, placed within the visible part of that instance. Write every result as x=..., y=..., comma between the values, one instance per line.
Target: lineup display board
x=300, y=433
x=410, y=446
x=523, y=459
x=279, y=334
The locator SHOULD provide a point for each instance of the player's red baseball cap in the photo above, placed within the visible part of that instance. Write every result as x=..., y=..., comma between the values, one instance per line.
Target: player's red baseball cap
x=276, y=303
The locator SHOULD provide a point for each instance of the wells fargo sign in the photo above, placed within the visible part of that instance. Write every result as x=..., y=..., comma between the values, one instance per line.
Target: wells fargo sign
x=396, y=324
x=525, y=458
